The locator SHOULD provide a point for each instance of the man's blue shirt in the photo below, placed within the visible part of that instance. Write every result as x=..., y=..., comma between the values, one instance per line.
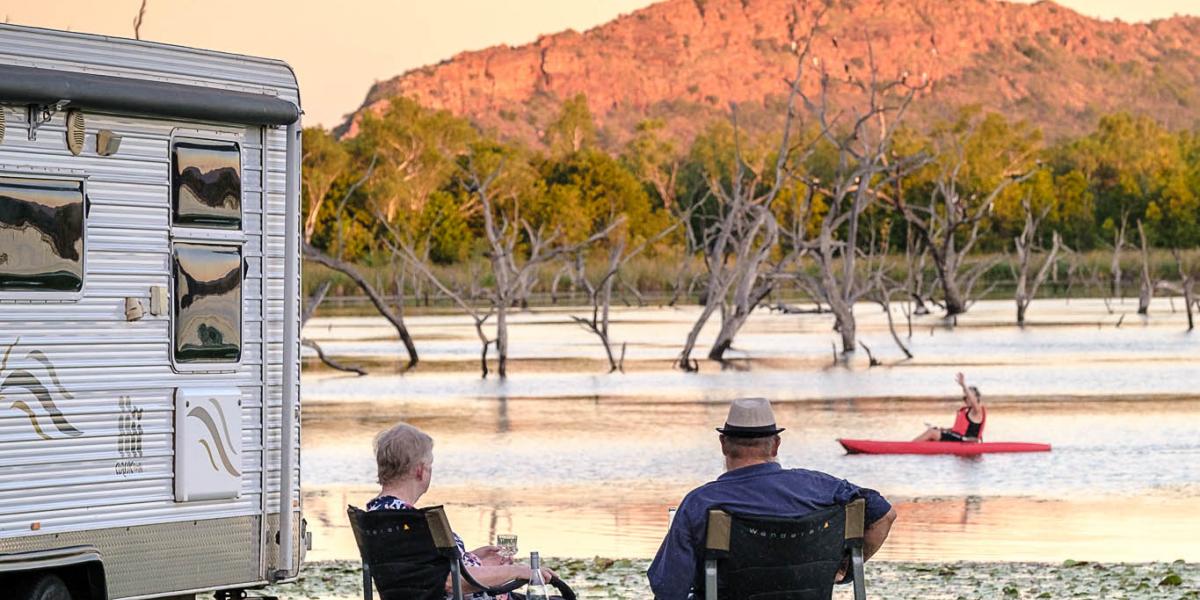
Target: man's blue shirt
x=765, y=489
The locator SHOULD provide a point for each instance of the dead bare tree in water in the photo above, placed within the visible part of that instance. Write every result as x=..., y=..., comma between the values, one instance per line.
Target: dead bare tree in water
x=884, y=288
x=335, y=262
x=861, y=134
x=503, y=237
x=738, y=253
x=601, y=298
x=517, y=250
x=310, y=307
x=403, y=248
x=737, y=244
x=950, y=227
x=601, y=292
x=1026, y=245
x=317, y=197
x=1187, y=285
x=379, y=301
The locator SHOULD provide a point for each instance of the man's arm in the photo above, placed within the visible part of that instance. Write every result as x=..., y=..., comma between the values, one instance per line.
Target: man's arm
x=876, y=533
x=674, y=567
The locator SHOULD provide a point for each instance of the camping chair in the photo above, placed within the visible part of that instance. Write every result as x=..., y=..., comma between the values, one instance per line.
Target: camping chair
x=409, y=553
x=753, y=558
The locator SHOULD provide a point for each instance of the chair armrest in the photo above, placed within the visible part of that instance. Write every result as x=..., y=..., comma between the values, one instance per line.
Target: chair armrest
x=503, y=588
x=563, y=589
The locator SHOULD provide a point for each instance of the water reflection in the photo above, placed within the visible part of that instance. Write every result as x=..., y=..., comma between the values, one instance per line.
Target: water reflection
x=207, y=184
x=583, y=477
x=1074, y=333
x=208, y=303
x=502, y=423
x=41, y=234
x=624, y=520
x=580, y=463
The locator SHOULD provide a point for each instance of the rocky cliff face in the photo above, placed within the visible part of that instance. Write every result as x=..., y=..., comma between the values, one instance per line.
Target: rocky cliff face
x=685, y=60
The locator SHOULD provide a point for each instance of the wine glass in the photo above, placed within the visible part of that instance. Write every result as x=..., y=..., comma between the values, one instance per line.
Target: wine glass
x=508, y=544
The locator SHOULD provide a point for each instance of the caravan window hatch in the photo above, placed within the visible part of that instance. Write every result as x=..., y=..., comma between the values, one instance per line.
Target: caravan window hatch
x=41, y=237
x=206, y=184
x=207, y=304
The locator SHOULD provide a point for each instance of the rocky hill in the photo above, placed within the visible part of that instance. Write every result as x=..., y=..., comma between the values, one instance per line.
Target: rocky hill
x=684, y=60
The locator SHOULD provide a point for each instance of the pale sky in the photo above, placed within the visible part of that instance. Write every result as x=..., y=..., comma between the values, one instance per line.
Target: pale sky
x=340, y=47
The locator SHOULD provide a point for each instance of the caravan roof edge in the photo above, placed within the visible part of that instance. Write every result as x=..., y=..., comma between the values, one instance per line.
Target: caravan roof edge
x=33, y=85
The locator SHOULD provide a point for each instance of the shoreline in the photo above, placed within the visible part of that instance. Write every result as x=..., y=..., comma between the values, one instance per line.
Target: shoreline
x=625, y=579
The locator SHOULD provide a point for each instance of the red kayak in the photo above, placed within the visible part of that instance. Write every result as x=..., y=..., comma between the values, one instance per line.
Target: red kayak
x=959, y=448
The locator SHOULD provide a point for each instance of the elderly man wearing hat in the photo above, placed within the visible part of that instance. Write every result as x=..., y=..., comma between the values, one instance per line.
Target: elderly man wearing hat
x=754, y=483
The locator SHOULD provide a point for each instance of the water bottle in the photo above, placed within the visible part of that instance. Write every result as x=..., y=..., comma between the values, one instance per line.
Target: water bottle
x=537, y=585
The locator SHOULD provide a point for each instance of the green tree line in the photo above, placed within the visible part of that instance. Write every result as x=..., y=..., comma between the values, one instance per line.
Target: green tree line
x=406, y=169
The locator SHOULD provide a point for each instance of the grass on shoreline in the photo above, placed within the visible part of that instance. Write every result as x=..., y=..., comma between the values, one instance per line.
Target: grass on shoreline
x=624, y=579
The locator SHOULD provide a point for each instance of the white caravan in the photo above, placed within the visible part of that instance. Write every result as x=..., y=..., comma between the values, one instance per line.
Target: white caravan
x=149, y=272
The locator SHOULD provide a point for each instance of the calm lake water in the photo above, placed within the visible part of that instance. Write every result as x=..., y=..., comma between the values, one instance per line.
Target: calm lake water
x=581, y=463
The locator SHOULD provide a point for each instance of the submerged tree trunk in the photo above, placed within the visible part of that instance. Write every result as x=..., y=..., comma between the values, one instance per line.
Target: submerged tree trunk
x=955, y=304
x=952, y=296
x=1025, y=244
x=686, y=362
x=847, y=327
x=502, y=341
x=1147, y=290
x=731, y=325
x=1115, y=268
x=752, y=283
x=1189, y=299
x=1187, y=284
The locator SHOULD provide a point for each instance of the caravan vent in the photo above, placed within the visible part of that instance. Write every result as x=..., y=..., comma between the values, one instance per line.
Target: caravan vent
x=2, y=111
x=75, y=127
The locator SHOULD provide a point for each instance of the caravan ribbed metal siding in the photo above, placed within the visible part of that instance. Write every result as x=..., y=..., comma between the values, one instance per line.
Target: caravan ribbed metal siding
x=75, y=483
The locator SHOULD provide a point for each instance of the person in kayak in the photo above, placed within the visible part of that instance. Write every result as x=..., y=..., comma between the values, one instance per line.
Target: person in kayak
x=968, y=423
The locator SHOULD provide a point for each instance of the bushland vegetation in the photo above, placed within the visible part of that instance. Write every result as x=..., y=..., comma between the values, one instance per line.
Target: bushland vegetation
x=841, y=202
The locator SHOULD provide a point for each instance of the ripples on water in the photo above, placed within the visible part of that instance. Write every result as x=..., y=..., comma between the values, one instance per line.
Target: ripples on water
x=582, y=464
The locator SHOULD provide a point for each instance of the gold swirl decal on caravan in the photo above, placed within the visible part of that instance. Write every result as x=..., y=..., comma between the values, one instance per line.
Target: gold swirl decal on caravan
x=223, y=447
x=45, y=418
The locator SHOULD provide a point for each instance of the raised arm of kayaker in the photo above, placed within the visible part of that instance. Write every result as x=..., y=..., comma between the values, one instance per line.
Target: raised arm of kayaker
x=971, y=398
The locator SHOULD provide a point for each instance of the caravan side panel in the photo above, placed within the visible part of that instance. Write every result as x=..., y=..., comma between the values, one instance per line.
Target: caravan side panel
x=89, y=399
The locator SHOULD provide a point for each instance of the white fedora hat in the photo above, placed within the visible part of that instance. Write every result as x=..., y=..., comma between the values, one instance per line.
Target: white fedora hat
x=750, y=417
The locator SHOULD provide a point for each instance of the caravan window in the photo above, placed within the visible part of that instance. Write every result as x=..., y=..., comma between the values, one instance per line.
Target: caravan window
x=41, y=235
x=206, y=184
x=208, y=303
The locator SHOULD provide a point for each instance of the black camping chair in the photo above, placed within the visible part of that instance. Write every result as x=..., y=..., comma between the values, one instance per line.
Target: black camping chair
x=768, y=558
x=409, y=553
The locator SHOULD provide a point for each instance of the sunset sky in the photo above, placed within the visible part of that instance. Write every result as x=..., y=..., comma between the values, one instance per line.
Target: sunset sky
x=339, y=48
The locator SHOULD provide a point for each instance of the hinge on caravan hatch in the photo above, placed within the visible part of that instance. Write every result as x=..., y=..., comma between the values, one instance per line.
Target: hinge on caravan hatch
x=40, y=114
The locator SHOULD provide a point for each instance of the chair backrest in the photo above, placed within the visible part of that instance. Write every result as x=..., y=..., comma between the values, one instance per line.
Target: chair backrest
x=771, y=558
x=408, y=552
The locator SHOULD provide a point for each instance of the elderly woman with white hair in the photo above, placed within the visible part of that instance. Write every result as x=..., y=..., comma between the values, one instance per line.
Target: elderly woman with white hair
x=404, y=457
